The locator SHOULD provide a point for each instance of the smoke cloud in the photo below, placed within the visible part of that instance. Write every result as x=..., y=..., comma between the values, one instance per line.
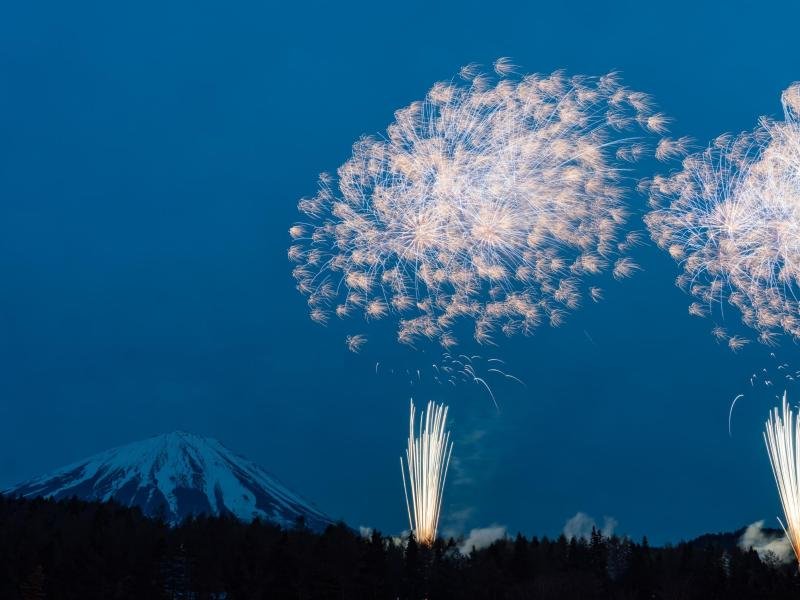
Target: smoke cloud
x=580, y=526
x=483, y=537
x=763, y=542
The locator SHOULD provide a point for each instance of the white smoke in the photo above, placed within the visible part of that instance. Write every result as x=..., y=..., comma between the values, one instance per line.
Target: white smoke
x=366, y=532
x=481, y=538
x=763, y=542
x=580, y=526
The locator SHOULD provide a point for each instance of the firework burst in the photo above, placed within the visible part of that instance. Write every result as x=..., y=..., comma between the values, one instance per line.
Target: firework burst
x=487, y=202
x=782, y=435
x=731, y=218
x=427, y=459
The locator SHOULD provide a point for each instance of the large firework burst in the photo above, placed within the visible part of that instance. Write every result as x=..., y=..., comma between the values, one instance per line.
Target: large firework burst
x=486, y=202
x=782, y=436
x=731, y=217
x=427, y=459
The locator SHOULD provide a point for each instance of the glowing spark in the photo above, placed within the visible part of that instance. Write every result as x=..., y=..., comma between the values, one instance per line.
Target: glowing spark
x=731, y=218
x=427, y=460
x=488, y=203
x=782, y=435
x=467, y=372
x=354, y=343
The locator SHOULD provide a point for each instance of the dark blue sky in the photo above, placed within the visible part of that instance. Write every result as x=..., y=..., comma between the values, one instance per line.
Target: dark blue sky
x=151, y=156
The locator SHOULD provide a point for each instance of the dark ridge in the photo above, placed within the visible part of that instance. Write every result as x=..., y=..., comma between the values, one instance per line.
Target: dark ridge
x=71, y=549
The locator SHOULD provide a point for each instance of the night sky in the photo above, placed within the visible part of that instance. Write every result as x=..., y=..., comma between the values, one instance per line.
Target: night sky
x=151, y=158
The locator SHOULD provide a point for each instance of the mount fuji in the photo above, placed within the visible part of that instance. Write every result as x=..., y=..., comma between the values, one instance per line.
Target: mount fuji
x=176, y=475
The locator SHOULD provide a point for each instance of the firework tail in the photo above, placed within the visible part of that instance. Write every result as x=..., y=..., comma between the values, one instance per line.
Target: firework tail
x=427, y=459
x=781, y=435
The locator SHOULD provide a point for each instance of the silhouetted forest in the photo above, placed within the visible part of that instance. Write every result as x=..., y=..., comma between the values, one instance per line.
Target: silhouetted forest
x=86, y=550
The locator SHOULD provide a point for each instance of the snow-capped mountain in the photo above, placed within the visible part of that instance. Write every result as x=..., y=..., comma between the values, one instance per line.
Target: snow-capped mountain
x=175, y=475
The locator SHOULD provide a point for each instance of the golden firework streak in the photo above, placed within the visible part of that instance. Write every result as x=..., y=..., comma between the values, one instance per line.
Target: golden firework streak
x=427, y=459
x=781, y=436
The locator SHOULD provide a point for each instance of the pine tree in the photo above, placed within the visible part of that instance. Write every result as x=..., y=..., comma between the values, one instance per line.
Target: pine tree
x=33, y=586
x=519, y=559
x=176, y=575
x=411, y=573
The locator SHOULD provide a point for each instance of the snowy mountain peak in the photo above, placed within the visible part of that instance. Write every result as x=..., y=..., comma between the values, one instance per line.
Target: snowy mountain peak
x=175, y=475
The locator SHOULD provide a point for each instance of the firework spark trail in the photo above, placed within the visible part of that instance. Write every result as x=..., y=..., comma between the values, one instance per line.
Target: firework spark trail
x=760, y=379
x=466, y=370
x=731, y=218
x=782, y=435
x=730, y=413
x=449, y=370
x=485, y=203
x=427, y=460
x=507, y=376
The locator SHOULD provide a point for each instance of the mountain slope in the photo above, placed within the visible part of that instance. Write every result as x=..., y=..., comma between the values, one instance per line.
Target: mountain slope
x=175, y=475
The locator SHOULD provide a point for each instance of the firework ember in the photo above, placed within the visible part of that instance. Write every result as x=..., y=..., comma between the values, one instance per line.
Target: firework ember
x=487, y=202
x=731, y=218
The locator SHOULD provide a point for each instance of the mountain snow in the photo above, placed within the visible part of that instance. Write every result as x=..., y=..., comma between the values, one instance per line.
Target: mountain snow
x=176, y=475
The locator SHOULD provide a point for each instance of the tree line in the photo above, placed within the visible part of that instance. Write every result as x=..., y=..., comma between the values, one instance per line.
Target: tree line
x=72, y=549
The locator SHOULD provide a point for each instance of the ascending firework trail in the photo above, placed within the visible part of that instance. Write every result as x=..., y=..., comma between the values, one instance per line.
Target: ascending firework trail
x=427, y=459
x=782, y=436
